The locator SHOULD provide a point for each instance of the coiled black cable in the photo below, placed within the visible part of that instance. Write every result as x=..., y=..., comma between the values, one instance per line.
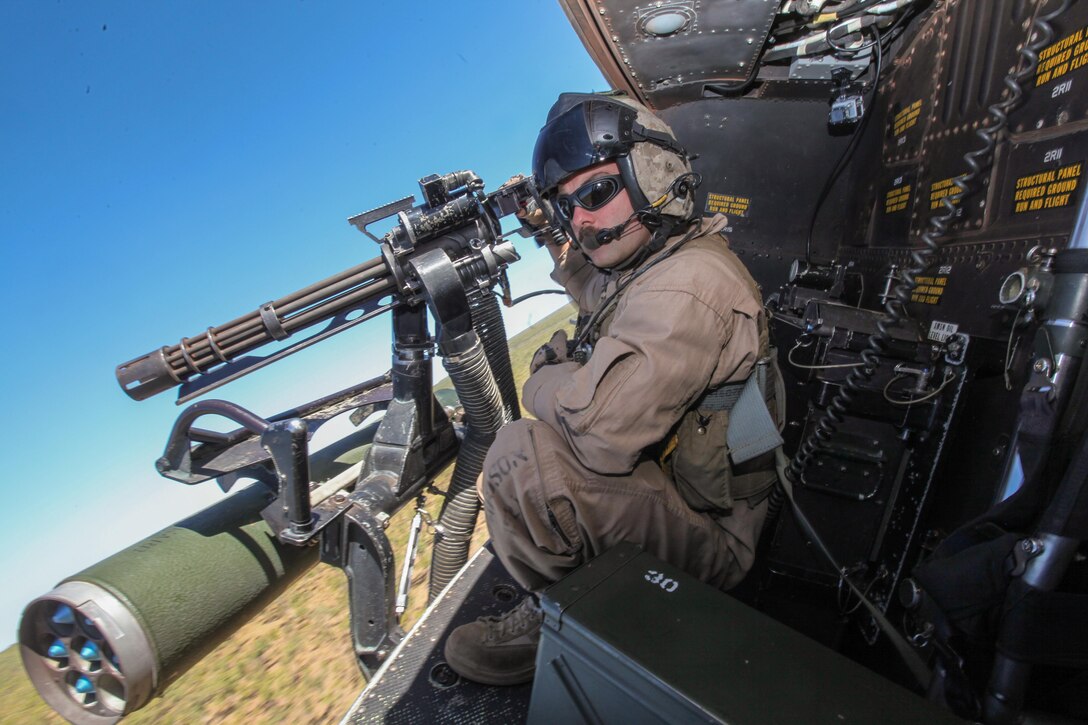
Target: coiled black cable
x=895, y=307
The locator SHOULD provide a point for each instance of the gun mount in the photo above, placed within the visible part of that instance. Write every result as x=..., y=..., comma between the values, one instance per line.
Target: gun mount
x=444, y=257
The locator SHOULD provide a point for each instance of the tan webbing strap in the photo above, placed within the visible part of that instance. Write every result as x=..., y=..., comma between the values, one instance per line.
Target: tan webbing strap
x=752, y=432
x=723, y=398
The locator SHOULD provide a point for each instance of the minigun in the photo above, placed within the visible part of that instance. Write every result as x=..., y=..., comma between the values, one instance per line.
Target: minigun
x=456, y=217
x=105, y=640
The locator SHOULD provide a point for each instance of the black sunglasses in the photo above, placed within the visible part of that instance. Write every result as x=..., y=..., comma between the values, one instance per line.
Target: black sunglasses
x=591, y=195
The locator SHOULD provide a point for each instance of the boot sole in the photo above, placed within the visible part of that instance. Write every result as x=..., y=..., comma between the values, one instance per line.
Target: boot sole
x=484, y=677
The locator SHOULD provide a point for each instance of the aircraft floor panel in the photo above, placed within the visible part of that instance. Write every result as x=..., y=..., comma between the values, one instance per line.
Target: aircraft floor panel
x=416, y=685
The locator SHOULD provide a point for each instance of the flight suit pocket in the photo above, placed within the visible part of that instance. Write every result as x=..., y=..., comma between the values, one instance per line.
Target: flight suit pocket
x=565, y=525
x=700, y=463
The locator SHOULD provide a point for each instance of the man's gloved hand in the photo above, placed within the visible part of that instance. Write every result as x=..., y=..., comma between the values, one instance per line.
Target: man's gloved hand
x=534, y=219
x=533, y=216
x=551, y=353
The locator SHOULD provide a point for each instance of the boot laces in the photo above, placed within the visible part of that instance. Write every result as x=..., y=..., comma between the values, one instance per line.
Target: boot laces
x=519, y=621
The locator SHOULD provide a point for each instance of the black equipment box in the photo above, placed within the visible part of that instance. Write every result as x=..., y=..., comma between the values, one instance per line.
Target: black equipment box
x=629, y=639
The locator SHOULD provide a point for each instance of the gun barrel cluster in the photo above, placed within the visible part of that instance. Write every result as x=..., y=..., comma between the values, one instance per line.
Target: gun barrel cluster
x=172, y=365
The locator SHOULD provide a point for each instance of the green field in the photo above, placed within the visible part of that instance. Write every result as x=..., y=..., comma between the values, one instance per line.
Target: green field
x=292, y=661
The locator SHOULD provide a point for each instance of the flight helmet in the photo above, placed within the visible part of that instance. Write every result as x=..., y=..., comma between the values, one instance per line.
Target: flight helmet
x=585, y=129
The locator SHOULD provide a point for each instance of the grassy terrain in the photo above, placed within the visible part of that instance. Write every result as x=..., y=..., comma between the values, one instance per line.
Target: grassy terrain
x=292, y=662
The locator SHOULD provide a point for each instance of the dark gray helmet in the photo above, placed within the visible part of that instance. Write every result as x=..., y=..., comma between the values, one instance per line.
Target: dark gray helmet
x=585, y=129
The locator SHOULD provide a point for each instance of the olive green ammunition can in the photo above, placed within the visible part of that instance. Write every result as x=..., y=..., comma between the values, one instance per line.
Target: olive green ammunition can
x=107, y=639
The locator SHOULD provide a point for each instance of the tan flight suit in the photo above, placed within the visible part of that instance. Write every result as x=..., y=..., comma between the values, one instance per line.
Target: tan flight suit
x=560, y=490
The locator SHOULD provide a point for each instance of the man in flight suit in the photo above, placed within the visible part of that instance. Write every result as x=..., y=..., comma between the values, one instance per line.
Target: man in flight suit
x=629, y=441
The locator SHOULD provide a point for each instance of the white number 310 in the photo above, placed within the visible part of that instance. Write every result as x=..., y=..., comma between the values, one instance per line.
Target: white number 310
x=656, y=577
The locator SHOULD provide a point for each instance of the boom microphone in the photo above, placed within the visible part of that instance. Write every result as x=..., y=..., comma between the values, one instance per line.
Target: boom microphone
x=610, y=234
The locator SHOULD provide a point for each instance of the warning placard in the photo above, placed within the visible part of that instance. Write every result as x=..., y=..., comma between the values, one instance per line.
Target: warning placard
x=896, y=199
x=907, y=118
x=940, y=331
x=938, y=190
x=1051, y=189
x=929, y=290
x=1063, y=56
x=734, y=206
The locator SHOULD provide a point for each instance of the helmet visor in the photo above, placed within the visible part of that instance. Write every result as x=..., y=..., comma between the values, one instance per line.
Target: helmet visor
x=583, y=136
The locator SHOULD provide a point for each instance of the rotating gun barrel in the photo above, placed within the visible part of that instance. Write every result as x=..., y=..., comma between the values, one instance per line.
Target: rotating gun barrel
x=456, y=217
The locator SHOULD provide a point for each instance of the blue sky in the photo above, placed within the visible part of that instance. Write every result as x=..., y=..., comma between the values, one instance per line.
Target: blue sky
x=168, y=166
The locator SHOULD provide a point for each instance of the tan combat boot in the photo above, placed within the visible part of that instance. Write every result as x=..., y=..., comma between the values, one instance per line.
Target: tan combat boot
x=498, y=650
